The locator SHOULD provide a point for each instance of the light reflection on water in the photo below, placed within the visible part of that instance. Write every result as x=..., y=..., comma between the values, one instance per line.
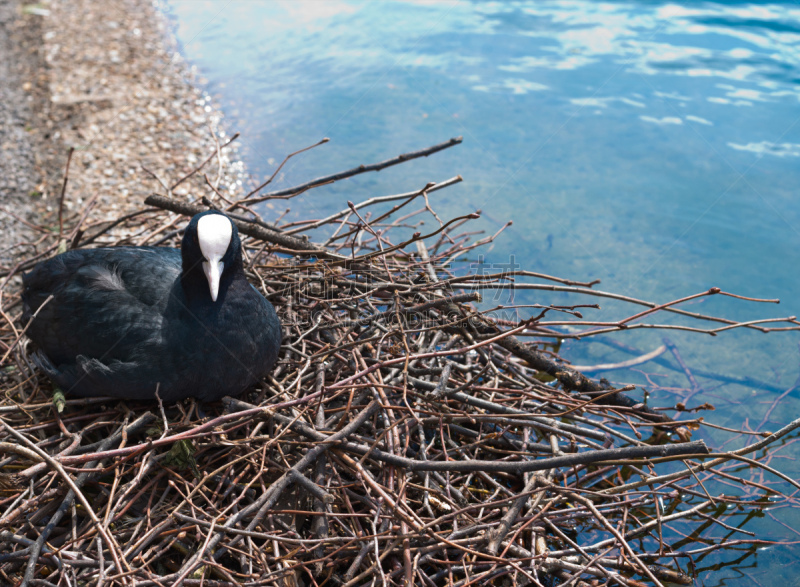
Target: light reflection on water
x=651, y=145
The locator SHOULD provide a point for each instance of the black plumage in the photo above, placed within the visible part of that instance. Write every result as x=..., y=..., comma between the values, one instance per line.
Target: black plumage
x=125, y=321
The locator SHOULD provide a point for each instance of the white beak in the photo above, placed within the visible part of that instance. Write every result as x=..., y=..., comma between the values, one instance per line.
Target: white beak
x=214, y=233
x=213, y=271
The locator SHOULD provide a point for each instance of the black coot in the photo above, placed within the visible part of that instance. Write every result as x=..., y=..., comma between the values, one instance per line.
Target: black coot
x=126, y=321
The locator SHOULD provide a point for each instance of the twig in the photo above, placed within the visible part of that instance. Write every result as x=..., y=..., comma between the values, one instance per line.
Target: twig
x=361, y=169
x=216, y=153
x=285, y=160
x=63, y=193
x=623, y=364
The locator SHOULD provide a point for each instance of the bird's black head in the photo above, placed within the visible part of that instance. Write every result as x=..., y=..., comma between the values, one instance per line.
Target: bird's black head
x=211, y=252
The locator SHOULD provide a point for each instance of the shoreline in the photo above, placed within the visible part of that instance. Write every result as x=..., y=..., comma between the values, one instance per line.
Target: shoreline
x=107, y=80
x=19, y=169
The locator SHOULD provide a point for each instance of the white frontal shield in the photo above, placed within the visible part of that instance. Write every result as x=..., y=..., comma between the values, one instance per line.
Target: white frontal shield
x=214, y=233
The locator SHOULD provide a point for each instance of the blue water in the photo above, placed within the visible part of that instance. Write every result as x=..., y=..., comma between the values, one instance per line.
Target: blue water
x=654, y=146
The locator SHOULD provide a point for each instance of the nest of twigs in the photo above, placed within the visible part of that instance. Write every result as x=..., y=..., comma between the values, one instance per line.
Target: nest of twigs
x=406, y=436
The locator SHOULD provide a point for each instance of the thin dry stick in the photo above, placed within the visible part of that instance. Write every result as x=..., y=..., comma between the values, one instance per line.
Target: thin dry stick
x=431, y=187
x=285, y=160
x=361, y=169
x=24, y=330
x=216, y=153
x=63, y=193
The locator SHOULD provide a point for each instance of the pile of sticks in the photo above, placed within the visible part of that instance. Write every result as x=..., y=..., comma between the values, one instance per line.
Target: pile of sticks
x=408, y=435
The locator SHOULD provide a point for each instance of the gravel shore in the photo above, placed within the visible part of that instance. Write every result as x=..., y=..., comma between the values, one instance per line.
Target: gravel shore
x=19, y=176
x=105, y=79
